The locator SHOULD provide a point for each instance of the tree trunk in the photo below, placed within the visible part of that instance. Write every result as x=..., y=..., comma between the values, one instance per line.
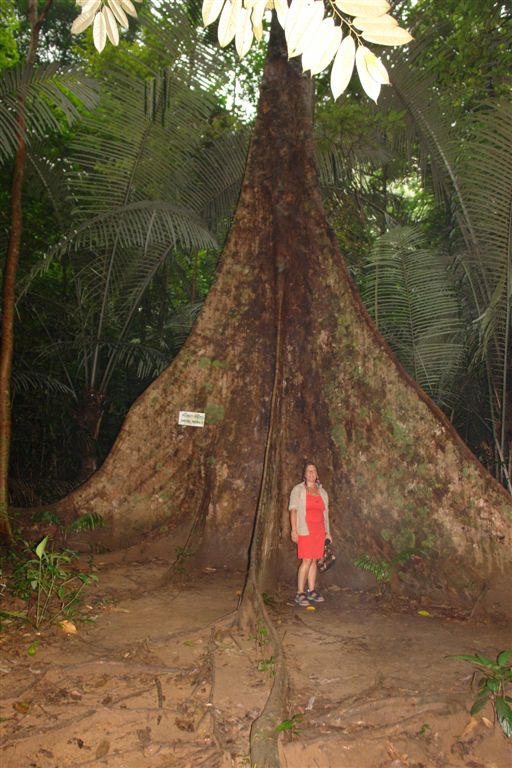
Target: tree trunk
x=287, y=365
x=9, y=278
x=89, y=420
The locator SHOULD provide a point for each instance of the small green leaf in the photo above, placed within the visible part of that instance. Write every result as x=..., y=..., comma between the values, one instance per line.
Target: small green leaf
x=504, y=713
x=492, y=685
x=503, y=657
x=41, y=547
x=485, y=662
x=31, y=650
x=478, y=705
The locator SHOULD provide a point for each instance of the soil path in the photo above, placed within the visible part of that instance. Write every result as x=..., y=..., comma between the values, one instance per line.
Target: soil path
x=162, y=678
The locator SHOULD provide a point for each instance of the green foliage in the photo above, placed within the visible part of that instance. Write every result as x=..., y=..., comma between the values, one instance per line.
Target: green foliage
x=381, y=568
x=494, y=686
x=87, y=522
x=267, y=665
x=54, y=96
x=412, y=296
x=290, y=725
x=182, y=555
x=45, y=580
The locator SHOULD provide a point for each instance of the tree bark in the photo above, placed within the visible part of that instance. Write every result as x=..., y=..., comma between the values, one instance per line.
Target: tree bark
x=36, y=20
x=287, y=365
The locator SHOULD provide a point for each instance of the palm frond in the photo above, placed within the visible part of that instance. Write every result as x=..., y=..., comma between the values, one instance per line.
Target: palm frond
x=53, y=93
x=411, y=295
x=35, y=381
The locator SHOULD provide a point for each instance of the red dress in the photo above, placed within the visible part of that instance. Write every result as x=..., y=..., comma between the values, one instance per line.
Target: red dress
x=312, y=546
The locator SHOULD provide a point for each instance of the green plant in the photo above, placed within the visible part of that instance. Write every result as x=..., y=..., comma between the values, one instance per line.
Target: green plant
x=379, y=567
x=182, y=553
x=494, y=686
x=47, y=584
x=88, y=522
x=261, y=637
x=291, y=725
x=267, y=665
x=382, y=569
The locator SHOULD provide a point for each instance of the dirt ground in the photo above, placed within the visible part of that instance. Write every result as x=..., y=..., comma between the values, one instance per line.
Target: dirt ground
x=164, y=678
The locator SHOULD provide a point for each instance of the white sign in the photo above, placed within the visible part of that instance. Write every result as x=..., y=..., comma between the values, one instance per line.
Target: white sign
x=191, y=419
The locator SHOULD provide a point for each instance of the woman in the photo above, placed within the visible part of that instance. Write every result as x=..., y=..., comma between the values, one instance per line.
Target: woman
x=309, y=518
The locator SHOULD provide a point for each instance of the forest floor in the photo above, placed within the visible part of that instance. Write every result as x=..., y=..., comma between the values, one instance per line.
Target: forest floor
x=162, y=677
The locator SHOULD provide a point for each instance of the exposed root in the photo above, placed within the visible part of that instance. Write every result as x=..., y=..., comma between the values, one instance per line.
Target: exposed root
x=264, y=734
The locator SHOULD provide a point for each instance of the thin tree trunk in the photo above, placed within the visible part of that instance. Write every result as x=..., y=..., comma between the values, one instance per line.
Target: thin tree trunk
x=287, y=365
x=89, y=420
x=36, y=20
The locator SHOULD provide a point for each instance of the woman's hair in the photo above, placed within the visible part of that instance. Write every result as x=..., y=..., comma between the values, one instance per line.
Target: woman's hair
x=310, y=464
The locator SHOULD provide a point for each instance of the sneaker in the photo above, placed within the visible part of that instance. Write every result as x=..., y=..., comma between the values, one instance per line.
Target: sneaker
x=301, y=599
x=314, y=596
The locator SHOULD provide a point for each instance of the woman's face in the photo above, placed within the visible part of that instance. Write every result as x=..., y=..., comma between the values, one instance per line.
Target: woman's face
x=311, y=474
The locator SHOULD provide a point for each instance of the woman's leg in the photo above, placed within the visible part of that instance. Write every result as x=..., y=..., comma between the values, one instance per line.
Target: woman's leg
x=312, y=572
x=303, y=574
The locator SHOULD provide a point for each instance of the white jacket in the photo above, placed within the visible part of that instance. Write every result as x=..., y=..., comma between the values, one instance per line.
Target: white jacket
x=298, y=502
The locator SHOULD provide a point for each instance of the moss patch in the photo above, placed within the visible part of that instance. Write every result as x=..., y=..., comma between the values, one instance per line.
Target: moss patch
x=214, y=413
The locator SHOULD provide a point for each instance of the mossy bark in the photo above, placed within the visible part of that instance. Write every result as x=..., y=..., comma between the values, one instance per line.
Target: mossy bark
x=286, y=364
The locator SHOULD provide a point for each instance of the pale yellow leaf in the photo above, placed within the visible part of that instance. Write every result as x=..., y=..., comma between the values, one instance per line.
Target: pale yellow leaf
x=311, y=19
x=110, y=26
x=281, y=8
x=91, y=6
x=115, y=6
x=316, y=44
x=293, y=25
x=375, y=22
x=321, y=57
x=332, y=43
x=81, y=22
x=370, y=86
x=343, y=66
x=257, y=31
x=211, y=10
x=99, y=33
x=129, y=7
x=375, y=67
x=258, y=12
x=363, y=7
x=227, y=22
x=394, y=36
x=243, y=35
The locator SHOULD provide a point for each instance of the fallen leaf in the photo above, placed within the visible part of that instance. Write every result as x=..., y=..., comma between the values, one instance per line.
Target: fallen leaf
x=469, y=728
x=102, y=748
x=68, y=627
x=23, y=707
x=424, y=613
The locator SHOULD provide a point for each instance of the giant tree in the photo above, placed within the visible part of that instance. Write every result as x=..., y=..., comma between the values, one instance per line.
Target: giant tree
x=285, y=363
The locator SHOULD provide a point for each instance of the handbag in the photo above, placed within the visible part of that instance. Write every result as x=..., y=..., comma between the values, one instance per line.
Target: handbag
x=328, y=559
